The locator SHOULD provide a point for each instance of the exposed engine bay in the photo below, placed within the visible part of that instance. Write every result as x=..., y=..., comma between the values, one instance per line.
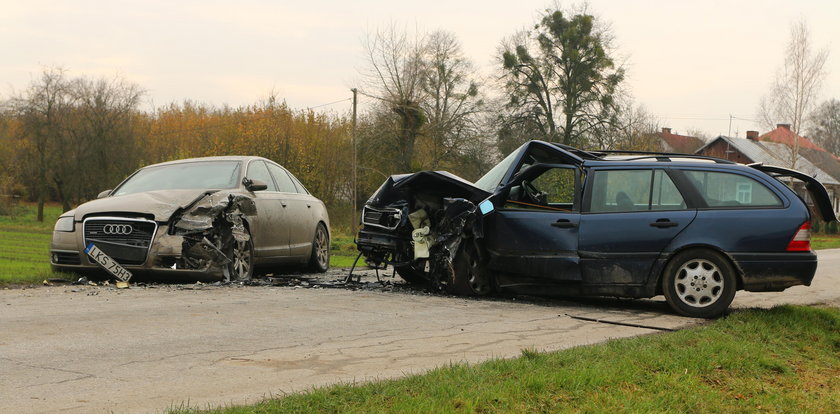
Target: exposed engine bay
x=419, y=224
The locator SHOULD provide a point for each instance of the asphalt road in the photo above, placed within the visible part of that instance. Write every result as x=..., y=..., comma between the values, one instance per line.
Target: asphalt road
x=98, y=349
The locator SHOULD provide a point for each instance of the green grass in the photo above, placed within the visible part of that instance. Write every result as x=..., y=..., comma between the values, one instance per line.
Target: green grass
x=342, y=250
x=25, y=245
x=825, y=241
x=786, y=359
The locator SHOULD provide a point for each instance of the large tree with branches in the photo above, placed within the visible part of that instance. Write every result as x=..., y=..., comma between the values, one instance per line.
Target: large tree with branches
x=559, y=79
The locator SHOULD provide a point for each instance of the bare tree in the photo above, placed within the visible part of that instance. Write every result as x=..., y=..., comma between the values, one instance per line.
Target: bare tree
x=42, y=111
x=395, y=77
x=797, y=85
x=825, y=125
x=452, y=101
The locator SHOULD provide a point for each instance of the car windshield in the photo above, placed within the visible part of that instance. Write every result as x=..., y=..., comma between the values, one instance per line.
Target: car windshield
x=490, y=181
x=209, y=175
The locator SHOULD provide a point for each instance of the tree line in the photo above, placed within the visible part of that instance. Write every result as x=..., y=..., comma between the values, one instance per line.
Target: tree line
x=66, y=139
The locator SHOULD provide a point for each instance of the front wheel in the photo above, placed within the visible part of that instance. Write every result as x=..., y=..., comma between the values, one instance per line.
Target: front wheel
x=319, y=261
x=241, y=266
x=468, y=278
x=699, y=283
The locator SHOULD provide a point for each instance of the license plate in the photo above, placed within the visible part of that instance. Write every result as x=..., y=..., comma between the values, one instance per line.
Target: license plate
x=107, y=263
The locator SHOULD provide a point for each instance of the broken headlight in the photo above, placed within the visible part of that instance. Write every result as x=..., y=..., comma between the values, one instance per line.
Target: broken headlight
x=64, y=224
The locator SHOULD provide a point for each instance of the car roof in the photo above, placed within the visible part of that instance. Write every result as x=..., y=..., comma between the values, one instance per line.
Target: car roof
x=216, y=158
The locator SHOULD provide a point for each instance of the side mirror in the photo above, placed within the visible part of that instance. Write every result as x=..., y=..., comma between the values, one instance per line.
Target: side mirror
x=104, y=194
x=254, y=185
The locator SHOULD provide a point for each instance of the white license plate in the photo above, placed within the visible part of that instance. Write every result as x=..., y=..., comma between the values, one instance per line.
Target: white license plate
x=107, y=263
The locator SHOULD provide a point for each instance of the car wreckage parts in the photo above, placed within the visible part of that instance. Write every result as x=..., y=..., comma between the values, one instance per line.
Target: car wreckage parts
x=204, y=236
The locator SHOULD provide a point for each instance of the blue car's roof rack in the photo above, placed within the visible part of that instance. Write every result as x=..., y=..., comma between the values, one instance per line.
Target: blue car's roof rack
x=660, y=156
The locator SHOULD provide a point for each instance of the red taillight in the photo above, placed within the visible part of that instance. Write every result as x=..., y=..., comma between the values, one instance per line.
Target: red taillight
x=801, y=241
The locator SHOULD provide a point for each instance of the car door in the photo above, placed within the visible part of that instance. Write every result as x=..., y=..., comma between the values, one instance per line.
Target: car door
x=297, y=208
x=271, y=237
x=629, y=217
x=533, y=232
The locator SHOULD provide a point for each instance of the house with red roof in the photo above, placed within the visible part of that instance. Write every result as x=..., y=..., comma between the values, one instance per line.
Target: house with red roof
x=683, y=144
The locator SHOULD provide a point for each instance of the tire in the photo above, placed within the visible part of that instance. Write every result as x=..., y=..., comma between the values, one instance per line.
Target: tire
x=699, y=283
x=241, y=267
x=411, y=275
x=319, y=260
x=468, y=278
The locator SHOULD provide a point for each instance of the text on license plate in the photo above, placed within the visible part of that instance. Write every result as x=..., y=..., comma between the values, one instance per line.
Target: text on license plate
x=107, y=263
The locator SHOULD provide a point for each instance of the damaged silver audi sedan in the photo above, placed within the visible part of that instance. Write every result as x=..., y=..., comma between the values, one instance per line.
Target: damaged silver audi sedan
x=204, y=218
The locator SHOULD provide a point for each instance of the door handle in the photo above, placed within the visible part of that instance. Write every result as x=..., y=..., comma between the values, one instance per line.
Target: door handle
x=283, y=203
x=664, y=223
x=309, y=206
x=564, y=224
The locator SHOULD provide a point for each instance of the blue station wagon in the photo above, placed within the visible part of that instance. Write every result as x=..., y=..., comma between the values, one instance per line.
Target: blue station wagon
x=554, y=220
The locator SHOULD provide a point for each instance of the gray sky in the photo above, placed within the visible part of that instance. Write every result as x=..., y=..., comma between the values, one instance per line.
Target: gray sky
x=691, y=63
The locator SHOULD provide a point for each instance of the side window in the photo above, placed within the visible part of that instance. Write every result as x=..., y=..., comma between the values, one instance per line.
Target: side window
x=665, y=195
x=283, y=181
x=634, y=190
x=553, y=189
x=257, y=171
x=558, y=184
x=301, y=189
x=721, y=189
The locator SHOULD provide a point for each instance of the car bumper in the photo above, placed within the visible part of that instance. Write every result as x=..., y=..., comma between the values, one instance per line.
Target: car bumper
x=763, y=272
x=67, y=255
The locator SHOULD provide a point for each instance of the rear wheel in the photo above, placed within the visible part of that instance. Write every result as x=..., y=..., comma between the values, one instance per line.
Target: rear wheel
x=699, y=283
x=319, y=261
x=469, y=278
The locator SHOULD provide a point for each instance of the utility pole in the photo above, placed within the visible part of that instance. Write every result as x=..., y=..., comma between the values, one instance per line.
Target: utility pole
x=355, y=186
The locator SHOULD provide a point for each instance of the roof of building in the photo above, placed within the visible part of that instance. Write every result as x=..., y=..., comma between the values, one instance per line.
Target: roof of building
x=784, y=135
x=778, y=154
x=680, y=143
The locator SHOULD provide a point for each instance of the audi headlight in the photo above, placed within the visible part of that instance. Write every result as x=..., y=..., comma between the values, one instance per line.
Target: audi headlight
x=65, y=224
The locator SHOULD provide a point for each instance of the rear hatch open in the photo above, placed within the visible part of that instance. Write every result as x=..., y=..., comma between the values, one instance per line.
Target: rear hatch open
x=818, y=193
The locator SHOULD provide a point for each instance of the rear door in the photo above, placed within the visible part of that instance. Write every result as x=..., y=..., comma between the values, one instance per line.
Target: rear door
x=271, y=238
x=818, y=193
x=299, y=219
x=629, y=217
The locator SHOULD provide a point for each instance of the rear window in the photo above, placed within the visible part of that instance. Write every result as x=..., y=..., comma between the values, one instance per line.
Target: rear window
x=721, y=189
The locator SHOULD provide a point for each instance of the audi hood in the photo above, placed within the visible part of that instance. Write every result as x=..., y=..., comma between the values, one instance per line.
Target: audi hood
x=161, y=204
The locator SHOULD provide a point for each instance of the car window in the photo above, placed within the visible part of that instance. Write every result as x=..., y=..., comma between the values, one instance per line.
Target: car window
x=183, y=176
x=283, y=181
x=722, y=189
x=664, y=194
x=257, y=171
x=552, y=190
x=301, y=189
x=558, y=184
x=634, y=190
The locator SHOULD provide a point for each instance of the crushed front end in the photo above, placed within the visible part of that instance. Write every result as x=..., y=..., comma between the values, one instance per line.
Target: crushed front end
x=417, y=223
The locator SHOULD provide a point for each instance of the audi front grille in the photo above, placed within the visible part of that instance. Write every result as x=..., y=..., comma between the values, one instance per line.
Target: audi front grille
x=126, y=240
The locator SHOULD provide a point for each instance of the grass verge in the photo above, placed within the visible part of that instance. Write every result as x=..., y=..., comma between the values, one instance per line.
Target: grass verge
x=25, y=245
x=785, y=359
x=825, y=241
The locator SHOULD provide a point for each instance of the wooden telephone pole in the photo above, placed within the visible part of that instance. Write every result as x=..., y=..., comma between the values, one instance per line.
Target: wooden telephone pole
x=355, y=186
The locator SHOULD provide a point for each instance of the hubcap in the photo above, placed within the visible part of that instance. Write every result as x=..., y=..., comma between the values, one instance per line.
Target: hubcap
x=241, y=260
x=699, y=283
x=477, y=283
x=321, y=248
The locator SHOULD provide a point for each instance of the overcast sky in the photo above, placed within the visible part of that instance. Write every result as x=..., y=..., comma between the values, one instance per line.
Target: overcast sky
x=691, y=63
